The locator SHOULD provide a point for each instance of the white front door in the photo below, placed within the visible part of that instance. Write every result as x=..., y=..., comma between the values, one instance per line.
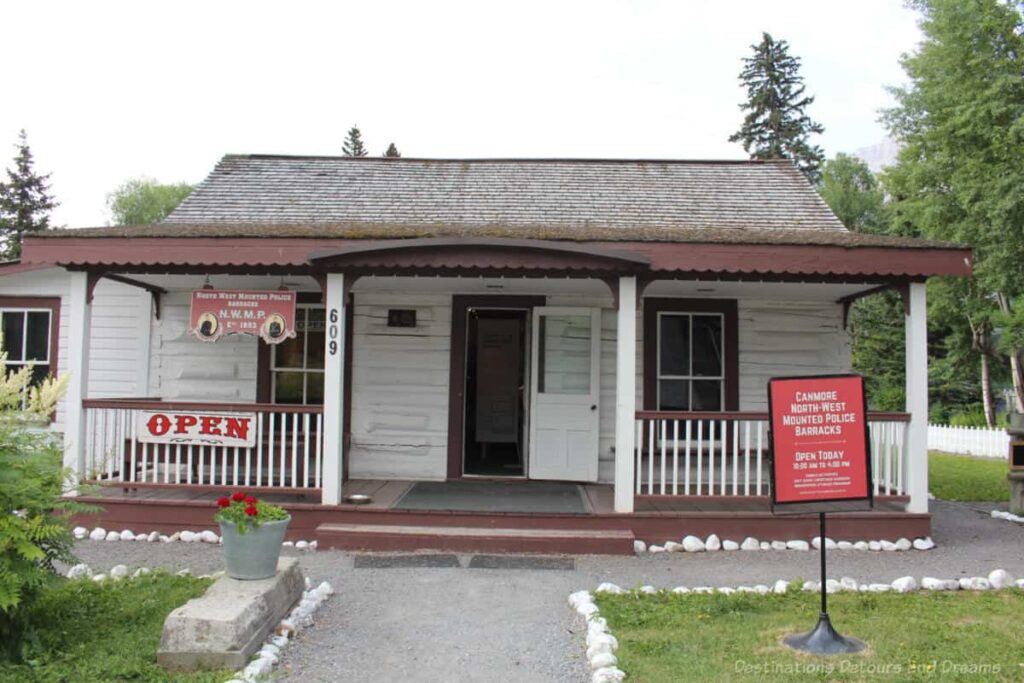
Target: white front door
x=565, y=387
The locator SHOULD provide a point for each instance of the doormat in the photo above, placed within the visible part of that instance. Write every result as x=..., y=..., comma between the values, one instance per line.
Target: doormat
x=414, y=561
x=521, y=562
x=493, y=496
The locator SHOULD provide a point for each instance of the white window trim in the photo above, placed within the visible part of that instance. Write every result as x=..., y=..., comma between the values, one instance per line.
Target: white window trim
x=24, y=337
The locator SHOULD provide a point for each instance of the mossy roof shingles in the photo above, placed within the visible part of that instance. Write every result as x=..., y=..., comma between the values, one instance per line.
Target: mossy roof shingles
x=556, y=194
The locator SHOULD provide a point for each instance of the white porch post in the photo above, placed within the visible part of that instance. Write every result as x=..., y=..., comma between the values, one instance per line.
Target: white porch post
x=625, y=394
x=334, y=389
x=76, y=365
x=916, y=325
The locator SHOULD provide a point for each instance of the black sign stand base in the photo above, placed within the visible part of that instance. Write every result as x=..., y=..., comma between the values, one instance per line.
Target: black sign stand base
x=823, y=639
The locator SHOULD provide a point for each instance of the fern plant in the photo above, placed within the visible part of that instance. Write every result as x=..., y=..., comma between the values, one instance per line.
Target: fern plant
x=34, y=517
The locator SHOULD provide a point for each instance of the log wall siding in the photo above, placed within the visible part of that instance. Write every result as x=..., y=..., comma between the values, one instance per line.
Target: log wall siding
x=400, y=387
x=117, y=358
x=184, y=368
x=778, y=338
x=400, y=375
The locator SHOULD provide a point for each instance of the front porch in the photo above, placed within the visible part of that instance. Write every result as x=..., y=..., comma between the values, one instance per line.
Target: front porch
x=596, y=528
x=593, y=401
x=647, y=391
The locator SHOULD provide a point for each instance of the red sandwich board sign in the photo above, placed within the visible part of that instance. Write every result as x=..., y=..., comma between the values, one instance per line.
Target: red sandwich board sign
x=819, y=441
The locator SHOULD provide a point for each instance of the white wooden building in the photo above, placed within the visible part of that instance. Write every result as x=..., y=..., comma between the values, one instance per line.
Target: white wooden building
x=612, y=323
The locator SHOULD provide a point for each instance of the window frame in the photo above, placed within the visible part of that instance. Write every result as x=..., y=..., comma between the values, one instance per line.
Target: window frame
x=263, y=362
x=273, y=370
x=27, y=304
x=727, y=308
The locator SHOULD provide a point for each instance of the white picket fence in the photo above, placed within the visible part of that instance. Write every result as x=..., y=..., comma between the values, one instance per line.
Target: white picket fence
x=978, y=441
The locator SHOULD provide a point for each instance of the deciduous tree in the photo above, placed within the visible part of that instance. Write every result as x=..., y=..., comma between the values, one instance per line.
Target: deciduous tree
x=959, y=174
x=876, y=322
x=140, y=201
x=854, y=194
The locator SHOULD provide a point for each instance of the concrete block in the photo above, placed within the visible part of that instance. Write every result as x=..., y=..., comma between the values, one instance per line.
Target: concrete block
x=225, y=626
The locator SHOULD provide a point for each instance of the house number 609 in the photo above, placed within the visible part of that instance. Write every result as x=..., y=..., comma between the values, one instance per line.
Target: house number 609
x=332, y=332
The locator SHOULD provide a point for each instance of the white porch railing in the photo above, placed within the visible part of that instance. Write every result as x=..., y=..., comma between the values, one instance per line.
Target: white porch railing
x=979, y=441
x=726, y=454
x=287, y=454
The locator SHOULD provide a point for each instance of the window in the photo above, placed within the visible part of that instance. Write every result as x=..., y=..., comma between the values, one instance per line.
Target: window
x=691, y=368
x=297, y=365
x=564, y=354
x=29, y=328
x=690, y=355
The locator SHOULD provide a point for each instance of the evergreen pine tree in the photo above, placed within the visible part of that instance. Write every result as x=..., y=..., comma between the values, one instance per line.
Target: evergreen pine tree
x=353, y=146
x=777, y=125
x=25, y=201
x=392, y=151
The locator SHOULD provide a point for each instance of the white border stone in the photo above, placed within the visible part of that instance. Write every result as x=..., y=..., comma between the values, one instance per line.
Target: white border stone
x=713, y=543
x=1008, y=516
x=184, y=536
x=601, y=645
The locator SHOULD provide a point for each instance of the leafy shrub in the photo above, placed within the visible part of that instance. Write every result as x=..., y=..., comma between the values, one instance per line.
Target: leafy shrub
x=970, y=418
x=975, y=417
x=32, y=537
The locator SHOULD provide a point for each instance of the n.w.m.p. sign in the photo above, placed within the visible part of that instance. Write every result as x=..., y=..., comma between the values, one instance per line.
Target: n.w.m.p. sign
x=819, y=442
x=196, y=429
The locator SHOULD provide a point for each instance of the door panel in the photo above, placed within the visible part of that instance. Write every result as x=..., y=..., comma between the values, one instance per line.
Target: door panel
x=564, y=408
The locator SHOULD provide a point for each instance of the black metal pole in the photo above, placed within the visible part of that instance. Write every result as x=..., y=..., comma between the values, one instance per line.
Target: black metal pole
x=821, y=543
x=823, y=639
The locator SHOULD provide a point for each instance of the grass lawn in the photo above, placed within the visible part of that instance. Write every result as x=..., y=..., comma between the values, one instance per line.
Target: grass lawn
x=105, y=632
x=668, y=638
x=961, y=477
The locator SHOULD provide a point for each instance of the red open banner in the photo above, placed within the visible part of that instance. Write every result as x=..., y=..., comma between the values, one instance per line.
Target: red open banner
x=819, y=439
x=269, y=314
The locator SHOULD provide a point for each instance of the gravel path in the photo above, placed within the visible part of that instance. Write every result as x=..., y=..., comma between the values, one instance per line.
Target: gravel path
x=462, y=624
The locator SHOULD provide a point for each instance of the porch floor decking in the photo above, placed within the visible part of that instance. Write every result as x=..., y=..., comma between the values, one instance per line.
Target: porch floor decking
x=472, y=496
x=485, y=496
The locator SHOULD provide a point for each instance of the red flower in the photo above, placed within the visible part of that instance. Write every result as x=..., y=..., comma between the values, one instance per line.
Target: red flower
x=250, y=500
x=251, y=511
x=223, y=502
x=238, y=496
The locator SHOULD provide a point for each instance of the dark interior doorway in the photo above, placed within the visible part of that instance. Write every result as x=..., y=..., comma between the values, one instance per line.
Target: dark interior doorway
x=495, y=407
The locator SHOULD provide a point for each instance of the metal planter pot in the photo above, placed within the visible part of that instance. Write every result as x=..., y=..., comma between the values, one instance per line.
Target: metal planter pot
x=254, y=554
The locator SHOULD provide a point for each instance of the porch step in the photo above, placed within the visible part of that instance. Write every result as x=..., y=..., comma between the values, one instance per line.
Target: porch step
x=385, y=538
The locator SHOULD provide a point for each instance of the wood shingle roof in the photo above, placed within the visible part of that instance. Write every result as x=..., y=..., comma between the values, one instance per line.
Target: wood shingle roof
x=556, y=194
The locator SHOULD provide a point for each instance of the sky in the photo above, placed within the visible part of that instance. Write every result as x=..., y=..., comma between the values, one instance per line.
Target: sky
x=109, y=91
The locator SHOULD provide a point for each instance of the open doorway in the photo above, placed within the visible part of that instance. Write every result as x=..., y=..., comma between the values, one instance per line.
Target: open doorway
x=495, y=396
